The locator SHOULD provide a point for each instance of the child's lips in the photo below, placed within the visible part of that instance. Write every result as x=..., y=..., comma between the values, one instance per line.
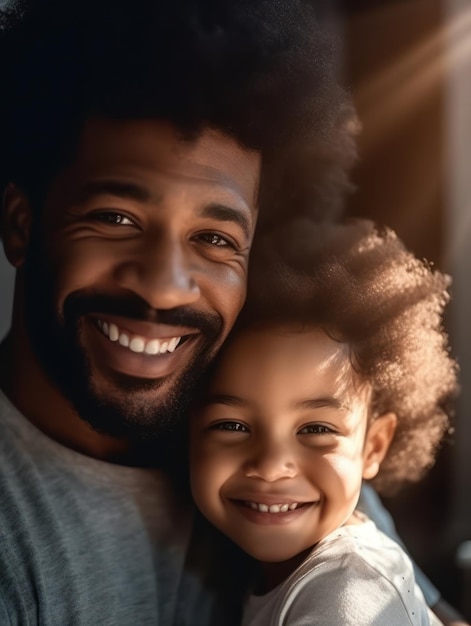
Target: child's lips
x=271, y=503
x=283, y=507
x=273, y=497
x=281, y=512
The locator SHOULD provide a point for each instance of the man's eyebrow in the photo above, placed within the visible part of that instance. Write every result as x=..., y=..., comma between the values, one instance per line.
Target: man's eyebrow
x=228, y=214
x=118, y=188
x=321, y=403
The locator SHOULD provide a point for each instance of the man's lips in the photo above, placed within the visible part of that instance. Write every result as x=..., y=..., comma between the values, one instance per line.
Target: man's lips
x=142, y=337
x=141, y=349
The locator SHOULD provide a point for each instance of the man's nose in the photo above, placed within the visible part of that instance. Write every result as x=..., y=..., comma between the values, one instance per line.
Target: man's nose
x=161, y=272
x=271, y=461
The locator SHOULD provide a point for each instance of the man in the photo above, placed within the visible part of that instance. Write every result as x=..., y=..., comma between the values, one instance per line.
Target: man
x=138, y=141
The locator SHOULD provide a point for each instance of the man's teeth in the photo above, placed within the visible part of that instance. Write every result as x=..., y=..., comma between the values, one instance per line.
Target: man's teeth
x=273, y=508
x=138, y=344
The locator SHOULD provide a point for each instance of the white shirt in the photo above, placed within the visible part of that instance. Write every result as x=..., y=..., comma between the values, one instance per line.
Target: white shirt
x=356, y=576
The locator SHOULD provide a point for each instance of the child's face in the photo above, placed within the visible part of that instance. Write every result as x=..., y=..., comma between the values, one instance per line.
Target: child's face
x=279, y=449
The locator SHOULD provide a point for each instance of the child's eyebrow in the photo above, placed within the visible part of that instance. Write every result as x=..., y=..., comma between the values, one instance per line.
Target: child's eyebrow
x=223, y=398
x=320, y=403
x=308, y=403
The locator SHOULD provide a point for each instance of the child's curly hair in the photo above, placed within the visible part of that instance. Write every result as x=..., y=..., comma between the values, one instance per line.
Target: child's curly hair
x=362, y=286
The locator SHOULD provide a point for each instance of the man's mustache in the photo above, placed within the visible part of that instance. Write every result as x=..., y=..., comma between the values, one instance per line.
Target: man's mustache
x=79, y=304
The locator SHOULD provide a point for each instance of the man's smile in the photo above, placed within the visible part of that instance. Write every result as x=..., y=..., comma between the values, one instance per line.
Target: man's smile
x=140, y=349
x=136, y=343
x=143, y=337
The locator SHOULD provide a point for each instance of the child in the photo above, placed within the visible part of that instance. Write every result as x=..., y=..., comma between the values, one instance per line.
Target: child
x=338, y=371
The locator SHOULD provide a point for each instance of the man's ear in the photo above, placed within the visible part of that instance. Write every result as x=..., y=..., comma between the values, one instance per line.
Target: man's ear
x=16, y=220
x=378, y=438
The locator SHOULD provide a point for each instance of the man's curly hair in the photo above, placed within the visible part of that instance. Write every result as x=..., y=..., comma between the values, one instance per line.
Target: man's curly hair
x=361, y=285
x=262, y=71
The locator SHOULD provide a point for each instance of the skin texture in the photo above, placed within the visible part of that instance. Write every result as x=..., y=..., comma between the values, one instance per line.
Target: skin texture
x=143, y=230
x=285, y=421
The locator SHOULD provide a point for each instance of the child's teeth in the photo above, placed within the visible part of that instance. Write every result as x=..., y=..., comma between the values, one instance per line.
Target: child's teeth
x=272, y=508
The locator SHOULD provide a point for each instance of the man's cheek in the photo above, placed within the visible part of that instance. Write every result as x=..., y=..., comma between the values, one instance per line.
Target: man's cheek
x=80, y=272
x=233, y=294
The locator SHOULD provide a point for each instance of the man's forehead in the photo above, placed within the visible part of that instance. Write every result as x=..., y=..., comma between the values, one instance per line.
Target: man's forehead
x=210, y=155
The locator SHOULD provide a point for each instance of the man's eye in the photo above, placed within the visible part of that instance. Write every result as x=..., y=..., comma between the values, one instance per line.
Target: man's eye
x=113, y=217
x=236, y=427
x=315, y=429
x=213, y=239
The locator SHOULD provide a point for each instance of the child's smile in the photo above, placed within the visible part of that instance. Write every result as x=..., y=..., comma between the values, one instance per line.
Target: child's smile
x=260, y=508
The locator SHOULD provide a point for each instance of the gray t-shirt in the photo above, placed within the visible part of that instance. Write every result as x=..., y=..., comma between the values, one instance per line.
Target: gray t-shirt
x=84, y=542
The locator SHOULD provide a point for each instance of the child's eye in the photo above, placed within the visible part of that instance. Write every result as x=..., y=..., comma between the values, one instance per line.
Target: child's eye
x=230, y=426
x=316, y=429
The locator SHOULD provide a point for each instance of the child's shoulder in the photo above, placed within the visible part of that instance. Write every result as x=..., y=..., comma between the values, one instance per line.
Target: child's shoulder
x=352, y=576
x=360, y=541
x=359, y=552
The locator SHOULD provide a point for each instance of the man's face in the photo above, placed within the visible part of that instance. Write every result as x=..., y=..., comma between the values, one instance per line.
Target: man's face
x=137, y=268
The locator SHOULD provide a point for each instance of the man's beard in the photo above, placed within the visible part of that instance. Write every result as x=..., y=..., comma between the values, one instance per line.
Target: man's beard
x=132, y=412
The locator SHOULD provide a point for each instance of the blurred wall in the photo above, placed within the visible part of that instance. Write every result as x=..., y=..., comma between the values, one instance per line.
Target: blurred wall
x=6, y=292
x=6, y=272
x=458, y=251
x=409, y=70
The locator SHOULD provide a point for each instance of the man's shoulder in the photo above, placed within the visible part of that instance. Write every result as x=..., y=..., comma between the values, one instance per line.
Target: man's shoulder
x=82, y=541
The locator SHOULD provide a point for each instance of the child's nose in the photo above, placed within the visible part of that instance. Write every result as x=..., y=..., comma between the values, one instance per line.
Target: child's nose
x=272, y=462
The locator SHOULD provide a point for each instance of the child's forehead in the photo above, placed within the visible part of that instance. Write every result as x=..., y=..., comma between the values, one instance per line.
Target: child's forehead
x=288, y=336
x=281, y=346
x=291, y=364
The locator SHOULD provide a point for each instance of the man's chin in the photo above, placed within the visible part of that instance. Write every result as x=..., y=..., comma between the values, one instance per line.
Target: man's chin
x=114, y=403
x=136, y=418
